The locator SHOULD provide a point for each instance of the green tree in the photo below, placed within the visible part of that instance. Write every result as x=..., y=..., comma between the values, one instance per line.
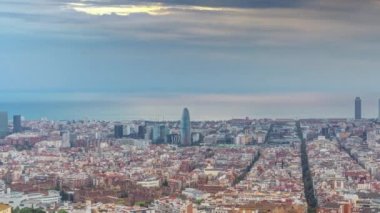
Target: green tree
x=199, y=201
x=165, y=183
x=16, y=210
x=31, y=210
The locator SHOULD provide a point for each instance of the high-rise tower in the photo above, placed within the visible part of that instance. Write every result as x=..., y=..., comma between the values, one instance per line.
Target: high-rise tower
x=118, y=130
x=17, y=123
x=3, y=124
x=379, y=110
x=358, y=108
x=185, y=128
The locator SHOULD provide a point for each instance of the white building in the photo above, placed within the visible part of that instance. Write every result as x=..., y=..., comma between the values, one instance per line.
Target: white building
x=149, y=183
x=195, y=194
x=66, y=140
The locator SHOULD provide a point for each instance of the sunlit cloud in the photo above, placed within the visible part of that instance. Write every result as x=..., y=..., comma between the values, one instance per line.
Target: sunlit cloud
x=126, y=10
x=122, y=10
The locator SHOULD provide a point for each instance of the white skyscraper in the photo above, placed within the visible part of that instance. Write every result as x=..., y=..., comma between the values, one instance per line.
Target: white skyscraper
x=66, y=140
x=3, y=124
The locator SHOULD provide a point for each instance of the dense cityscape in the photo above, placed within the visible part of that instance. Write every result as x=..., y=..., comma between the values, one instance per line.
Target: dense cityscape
x=237, y=165
x=189, y=106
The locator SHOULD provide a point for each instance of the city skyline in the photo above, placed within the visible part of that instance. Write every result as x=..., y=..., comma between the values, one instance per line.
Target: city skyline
x=296, y=165
x=196, y=106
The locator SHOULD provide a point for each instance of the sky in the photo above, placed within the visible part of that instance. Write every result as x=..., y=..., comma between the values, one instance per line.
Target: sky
x=221, y=58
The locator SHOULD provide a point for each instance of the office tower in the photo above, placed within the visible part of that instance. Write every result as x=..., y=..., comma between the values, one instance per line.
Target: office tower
x=174, y=138
x=118, y=131
x=195, y=137
x=127, y=130
x=379, y=110
x=3, y=124
x=156, y=134
x=148, y=133
x=66, y=139
x=141, y=132
x=358, y=108
x=17, y=123
x=74, y=139
x=185, y=128
x=325, y=131
x=164, y=132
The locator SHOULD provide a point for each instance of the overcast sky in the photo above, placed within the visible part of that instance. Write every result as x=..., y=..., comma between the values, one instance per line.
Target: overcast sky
x=264, y=52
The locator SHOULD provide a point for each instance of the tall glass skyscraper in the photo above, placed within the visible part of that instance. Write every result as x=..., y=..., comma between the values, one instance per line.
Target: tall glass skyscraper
x=3, y=124
x=185, y=128
x=379, y=110
x=17, y=123
x=118, y=131
x=358, y=108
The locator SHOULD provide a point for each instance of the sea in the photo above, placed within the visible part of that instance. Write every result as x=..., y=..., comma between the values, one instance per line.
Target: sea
x=109, y=111
x=124, y=111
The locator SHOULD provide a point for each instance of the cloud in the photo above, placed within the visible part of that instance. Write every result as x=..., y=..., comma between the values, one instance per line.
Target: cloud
x=219, y=45
x=124, y=10
x=210, y=3
x=241, y=23
x=152, y=9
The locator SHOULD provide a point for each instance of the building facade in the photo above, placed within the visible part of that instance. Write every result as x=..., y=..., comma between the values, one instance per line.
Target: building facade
x=379, y=110
x=17, y=123
x=185, y=128
x=4, y=208
x=3, y=124
x=358, y=108
x=118, y=131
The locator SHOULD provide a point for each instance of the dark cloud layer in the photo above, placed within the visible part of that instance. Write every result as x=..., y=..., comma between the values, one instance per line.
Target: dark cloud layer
x=338, y=5
x=223, y=3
